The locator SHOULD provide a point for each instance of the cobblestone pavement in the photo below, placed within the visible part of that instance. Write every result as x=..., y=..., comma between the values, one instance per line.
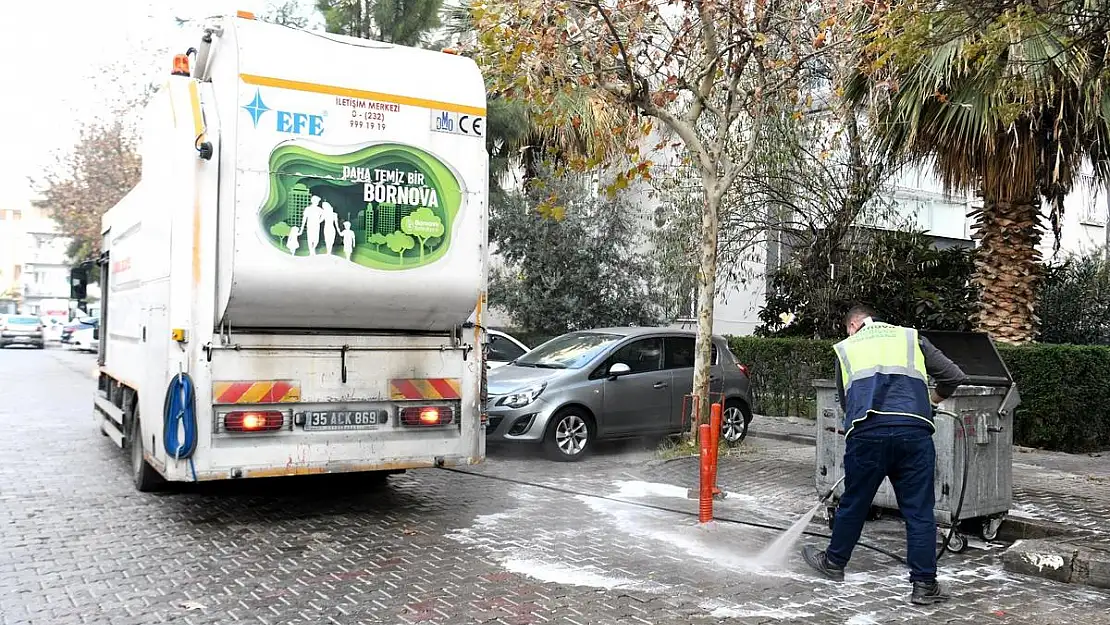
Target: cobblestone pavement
x=1068, y=489
x=79, y=545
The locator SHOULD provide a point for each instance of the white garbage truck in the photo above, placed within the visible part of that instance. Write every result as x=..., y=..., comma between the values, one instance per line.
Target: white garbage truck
x=296, y=285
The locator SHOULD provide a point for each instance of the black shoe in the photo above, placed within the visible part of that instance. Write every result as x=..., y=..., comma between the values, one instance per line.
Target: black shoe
x=819, y=561
x=928, y=593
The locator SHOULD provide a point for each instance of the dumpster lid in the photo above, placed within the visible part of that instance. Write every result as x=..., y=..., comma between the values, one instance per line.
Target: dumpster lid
x=974, y=353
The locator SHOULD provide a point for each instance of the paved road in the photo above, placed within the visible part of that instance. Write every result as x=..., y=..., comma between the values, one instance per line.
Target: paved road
x=79, y=545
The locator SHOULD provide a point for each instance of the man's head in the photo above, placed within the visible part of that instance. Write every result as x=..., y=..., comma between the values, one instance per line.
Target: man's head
x=855, y=317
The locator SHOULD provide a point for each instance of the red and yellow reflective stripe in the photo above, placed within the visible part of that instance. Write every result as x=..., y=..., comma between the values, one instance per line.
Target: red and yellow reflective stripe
x=256, y=392
x=425, y=388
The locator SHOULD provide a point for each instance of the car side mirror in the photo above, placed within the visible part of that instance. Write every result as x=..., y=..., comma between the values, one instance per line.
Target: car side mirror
x=619, y=369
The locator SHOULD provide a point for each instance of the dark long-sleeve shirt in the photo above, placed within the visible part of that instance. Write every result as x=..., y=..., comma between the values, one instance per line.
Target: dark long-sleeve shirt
x=945, y=373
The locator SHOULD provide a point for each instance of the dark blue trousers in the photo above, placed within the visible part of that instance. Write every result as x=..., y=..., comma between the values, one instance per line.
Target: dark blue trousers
x=907, y=457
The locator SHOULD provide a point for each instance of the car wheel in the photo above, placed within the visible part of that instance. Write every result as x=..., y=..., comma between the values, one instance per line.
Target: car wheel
x=144, y=476
x=734, y=422
x=569, y=436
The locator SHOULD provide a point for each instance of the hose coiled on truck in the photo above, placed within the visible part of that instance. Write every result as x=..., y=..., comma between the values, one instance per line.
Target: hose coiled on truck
x=180, y=419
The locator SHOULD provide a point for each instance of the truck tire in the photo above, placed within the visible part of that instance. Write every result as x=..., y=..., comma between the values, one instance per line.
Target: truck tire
x=145, y=478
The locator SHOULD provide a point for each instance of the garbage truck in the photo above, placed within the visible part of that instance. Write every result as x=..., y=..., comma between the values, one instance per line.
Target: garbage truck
x=296, y=284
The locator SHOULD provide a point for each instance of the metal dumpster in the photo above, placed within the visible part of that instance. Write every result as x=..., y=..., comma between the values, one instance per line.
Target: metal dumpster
x=985, y=406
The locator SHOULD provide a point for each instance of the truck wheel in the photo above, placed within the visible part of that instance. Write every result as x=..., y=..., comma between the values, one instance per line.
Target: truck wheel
x=570, y=435
x=144, y=476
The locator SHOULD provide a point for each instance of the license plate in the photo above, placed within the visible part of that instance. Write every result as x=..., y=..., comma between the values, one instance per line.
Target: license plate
x=344, y=419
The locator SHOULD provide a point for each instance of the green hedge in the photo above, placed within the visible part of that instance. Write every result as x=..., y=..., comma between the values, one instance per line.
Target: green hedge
x=782, y=371
x=1065, y=389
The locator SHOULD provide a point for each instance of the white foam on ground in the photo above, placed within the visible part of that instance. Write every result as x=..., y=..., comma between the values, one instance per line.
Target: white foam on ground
x=862, y=619
x=720, y=609
x=708, y=544
x=1030, y=511
x=726, y=612
x=636, y=490
x=589, y=576
x=479, y=530
x=498, y=535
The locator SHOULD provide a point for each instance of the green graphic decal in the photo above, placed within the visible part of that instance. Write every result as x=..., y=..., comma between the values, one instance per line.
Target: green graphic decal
x=388, y=206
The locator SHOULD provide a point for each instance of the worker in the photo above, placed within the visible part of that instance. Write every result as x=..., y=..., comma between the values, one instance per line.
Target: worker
x=888, y=425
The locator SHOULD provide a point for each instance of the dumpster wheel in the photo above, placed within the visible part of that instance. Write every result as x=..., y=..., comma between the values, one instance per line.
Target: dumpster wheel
x=957, y=543
x=990, y=527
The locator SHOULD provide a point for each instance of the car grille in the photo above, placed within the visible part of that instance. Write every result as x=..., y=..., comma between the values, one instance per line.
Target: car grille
x=493, y=423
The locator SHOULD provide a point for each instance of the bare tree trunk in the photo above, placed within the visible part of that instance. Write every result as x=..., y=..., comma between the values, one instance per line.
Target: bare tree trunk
x=1007, y=270
x=707, y=291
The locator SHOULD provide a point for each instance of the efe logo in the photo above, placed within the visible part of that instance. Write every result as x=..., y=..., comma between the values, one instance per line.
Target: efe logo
x=286, y=121
x=300, y=123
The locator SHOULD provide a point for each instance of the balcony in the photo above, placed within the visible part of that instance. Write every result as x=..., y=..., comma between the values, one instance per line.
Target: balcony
x=46, y=291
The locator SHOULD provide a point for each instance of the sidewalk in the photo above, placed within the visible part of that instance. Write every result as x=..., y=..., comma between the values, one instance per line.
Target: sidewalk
x=1061, y=502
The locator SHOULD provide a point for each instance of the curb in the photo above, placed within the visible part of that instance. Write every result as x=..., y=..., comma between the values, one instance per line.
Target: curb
x=1061, y=561
x=801, y=439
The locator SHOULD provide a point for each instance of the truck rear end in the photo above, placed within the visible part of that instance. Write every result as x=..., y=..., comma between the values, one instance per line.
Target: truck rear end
x=289, y=287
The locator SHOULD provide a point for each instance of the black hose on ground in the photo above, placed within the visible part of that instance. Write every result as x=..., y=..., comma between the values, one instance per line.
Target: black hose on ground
x=567, y=491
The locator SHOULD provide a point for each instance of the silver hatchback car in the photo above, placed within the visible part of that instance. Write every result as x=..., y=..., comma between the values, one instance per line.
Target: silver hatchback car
x=610, y=383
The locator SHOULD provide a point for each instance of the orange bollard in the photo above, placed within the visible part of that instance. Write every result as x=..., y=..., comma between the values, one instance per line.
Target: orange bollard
x=715, y=433
x=705, y=497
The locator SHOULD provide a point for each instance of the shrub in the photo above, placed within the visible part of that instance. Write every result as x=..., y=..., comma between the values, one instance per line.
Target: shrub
x=1065, y=389
x=1074, y=301
x=911, y=281
x=782, y=371
x=1065, y=396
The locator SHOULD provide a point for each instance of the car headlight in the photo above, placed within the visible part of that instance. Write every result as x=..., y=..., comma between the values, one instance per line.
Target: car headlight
x=523, y=397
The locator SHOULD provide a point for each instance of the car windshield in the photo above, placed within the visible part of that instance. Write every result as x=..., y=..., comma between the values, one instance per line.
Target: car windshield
x=570, y=351
x=23, y=321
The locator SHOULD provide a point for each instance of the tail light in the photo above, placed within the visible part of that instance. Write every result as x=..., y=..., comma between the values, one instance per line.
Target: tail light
x=743, y=369
x=427, y=416
x=254, y=421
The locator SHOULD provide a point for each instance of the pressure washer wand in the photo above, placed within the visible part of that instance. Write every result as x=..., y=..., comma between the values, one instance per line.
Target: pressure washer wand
x=831, y=490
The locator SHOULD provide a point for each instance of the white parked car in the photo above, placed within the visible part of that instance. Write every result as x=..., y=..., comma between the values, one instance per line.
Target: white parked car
x=86, y=339
x=52, y=329
x=503, y=349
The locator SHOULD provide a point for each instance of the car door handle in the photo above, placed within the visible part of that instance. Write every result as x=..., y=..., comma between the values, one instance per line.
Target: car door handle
x=659, y=385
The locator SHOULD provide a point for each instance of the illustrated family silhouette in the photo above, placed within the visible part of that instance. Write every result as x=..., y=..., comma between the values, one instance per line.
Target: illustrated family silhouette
x=315, y=216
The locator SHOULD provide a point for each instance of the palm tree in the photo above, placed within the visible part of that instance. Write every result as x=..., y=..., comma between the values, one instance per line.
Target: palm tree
x=1008, y=104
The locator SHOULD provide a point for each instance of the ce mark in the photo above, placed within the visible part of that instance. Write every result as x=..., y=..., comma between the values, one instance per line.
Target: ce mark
x=472, y=126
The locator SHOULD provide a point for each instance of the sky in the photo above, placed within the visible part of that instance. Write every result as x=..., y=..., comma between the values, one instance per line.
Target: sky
x=67, y=62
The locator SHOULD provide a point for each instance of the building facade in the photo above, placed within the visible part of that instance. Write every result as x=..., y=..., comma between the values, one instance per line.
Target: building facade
x=918, y=200
x=34, y=269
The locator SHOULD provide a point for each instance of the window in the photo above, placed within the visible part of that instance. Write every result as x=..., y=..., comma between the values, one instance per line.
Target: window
x=502, y=349
x=641, y=356
x=681, y=351
x=570, y=351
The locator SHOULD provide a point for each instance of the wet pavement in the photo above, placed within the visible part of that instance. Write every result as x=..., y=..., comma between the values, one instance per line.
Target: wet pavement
x=522, y=540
